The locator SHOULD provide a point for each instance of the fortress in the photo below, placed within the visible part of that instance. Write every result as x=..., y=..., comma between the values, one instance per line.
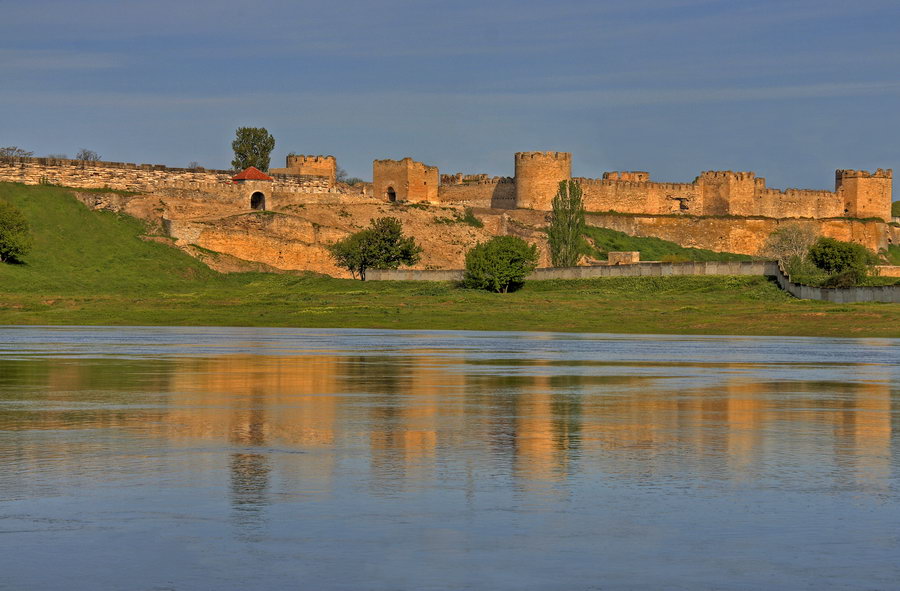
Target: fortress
x=718, y=210
x=857, y=194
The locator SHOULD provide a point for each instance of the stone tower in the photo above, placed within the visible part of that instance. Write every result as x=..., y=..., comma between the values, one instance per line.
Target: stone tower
x=538, y=175
x=866, y=194
x=305, y=165
x=405, y=180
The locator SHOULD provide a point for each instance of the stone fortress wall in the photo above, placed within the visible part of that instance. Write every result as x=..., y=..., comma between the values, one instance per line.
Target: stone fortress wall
x=298, y=185
x=858, y=193
x=719, y=210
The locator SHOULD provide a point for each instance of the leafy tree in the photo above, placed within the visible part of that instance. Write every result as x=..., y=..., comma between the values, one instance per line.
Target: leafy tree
x=15, y=152
x=252, y=147
x=380, y=246
x=15, y=237
x=87, y=155
x=895, y=209
x=848, y=262
x=565, y=233
x=500, y=264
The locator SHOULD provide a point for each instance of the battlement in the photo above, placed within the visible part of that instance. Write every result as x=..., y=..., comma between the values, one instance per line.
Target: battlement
x=474, y=179
x=562, y=156
x=308, y=159
x=627, y=175
x=727, y=174
x=63, y=162
x=864, y=174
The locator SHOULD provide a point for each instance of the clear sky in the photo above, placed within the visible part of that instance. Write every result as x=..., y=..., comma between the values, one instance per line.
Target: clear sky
x=790, y=89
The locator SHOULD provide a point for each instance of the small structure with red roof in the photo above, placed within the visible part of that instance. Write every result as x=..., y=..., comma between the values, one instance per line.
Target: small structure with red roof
x=251, y=176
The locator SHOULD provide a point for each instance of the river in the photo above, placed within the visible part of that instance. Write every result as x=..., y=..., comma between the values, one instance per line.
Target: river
x=224, y=458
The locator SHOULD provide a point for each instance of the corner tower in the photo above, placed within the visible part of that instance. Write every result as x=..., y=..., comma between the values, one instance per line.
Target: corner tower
x=866, y=194
x=538, y=175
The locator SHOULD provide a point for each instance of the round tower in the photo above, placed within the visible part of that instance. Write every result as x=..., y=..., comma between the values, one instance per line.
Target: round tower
x=537, y=177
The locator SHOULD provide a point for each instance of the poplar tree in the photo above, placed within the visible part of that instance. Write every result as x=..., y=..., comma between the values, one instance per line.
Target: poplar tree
x=252, y=147
x=566, y=230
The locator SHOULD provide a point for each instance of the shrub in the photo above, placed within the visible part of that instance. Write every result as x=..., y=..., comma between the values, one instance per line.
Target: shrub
x=835, y=256
x=380, y=246
x=565, y=232
x=848, y=278
x=15, y=236
x=500, y=264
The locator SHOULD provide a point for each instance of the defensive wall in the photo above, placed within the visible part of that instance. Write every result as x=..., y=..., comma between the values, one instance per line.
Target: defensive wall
x=744, y=235
x=216, y=185
x=857, y=193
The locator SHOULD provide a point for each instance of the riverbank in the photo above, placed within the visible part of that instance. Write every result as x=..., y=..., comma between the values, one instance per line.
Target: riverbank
x=94, y=268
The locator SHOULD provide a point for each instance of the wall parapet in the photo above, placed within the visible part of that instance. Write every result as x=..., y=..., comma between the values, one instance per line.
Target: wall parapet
x=837, y=295
x=641, y=269
x=884, y=293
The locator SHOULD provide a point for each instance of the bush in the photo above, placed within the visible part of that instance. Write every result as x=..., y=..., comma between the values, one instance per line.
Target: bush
x=835, y=256
x=15, y=236
x=849, y=278
x=847, y=262
x=380, y=246
x=500, y=264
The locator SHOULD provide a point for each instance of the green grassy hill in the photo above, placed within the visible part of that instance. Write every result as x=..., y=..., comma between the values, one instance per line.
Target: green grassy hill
x=92, y=267
x=604, y=240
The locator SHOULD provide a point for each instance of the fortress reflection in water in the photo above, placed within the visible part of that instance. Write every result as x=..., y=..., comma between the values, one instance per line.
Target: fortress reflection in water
x=408, y=419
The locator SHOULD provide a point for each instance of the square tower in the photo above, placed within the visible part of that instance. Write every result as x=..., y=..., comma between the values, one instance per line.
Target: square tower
x=405, y=180
x=865, y=194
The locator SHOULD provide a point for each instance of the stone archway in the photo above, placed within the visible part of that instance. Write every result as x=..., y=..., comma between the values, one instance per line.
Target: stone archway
x=258, y=201
x=391, y=194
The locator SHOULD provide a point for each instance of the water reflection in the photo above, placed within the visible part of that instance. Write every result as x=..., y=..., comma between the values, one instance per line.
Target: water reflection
x=409, y=414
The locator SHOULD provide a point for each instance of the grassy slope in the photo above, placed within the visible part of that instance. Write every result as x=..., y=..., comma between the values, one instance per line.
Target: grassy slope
x=605, y=240
x=92, y=268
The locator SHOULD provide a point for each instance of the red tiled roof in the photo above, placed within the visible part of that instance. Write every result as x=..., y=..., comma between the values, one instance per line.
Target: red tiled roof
x=252, y=174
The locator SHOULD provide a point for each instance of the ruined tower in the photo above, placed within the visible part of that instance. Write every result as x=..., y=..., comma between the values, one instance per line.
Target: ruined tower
x=865, y=194
x=405, y=180
x=538, y=175
x=303, y=165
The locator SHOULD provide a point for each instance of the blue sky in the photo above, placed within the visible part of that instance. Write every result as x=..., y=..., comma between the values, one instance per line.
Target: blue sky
x=791, y=89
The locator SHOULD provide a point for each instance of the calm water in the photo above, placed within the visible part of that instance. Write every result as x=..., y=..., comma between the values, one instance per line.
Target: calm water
x=265, y=459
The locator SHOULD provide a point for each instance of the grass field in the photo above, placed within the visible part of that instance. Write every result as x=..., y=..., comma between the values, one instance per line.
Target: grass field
x=93, y=268
x=604, y=240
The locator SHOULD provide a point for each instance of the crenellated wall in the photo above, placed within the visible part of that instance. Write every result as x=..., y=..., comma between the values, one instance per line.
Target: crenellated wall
x=478, y=191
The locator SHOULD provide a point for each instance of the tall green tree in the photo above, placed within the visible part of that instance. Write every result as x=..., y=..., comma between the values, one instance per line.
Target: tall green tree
x=380, y=246
x=565, y=233
x=15, y=236
x=252, y=147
